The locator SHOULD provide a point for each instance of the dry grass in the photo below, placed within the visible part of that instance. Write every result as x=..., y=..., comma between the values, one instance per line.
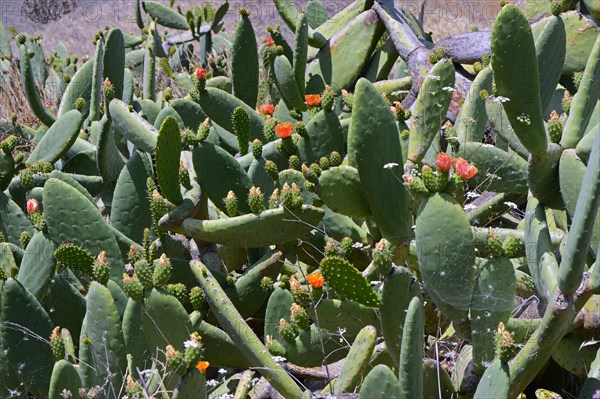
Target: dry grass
x=13, y=100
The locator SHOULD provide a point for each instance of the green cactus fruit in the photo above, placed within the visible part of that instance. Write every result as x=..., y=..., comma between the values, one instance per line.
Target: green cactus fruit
x=39, y=221
x=3, y=276
x=101, y=269
x=294, y=162
x=9, y=144
x=231, y=204
x=274, y=199
x=566, y=102
x=256, y=200
x=240, y=120
x=269, y=129
x=556, y=8
x=193, y=350
x=433, y=58
x=287, y=331
x=416, y=185
x=162, y=271
x=179, y=291
x=324, y=163
x=494, y=245
x=257, y=148
x=505, y=346
x=133, y=288
x=331, y=248
x=75, y=258
x=275, y=347
x=24, y=239
x=197, y=298
x=555, y=127
x=335, y=159
x=300, y=316
x=382, y=258
x=144, y=271
x=271, y=169
x=429, y=178
x=174, y=360
x=27, y=180
x=166, y=67
x=511, y=246
x=291, y=197
x=577, y=79
x=348, y=282
x=184, y=178
x=57, y=344
x=79, y=104
x=327, y=99
x=204, y=130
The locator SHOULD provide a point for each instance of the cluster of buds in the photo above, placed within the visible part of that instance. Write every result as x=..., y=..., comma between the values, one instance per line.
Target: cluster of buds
x=440, y=180
x=400, y=113
x=555, y=127
x=101, y=269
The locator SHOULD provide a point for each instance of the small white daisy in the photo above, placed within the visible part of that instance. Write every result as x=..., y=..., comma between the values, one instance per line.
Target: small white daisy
x=390, y=165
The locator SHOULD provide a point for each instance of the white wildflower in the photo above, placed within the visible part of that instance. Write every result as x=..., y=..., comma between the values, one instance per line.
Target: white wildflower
x=222, y=371
x=433, y=77
x=511, y=204
x=358, y=245
x=472, y=194
x=469, y=207
x=500, y=99
x=390, y=165
x=279, y=359
x=448, y=89
x=190, y=344
x=212, y=383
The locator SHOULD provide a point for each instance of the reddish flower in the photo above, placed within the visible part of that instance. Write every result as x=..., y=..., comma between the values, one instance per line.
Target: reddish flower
x=47, y=104
x=270, y=41
x=266, y=109
x=201, y=73
x=443, y=162
x=463, y=169
x=284, y=130
x=312, y=100
x=316, y=280
x=202, y=366
x=32, y=206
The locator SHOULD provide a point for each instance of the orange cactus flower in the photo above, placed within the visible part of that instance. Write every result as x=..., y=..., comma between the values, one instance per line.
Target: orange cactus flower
x=316, y=280
x=202, y=366
x=312, y=100
x=201, y=73
x=284, y=130
x=463, y=169
x=443, y=162
x=266, y=109
x=270, y=41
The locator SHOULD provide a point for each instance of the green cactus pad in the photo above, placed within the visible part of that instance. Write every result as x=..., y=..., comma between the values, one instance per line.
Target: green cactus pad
x=219, y=349
x=399, y=287
x=340, y=62
x=491, y=303
x=584, y=148
x=495, y=382
x=430, y=109
x=348, y=282
x=247, y=341
x=114, y=61
x=575, y=354
x=324, y=136
x=300, y=52
x=213, y=166
x=373, y=142
x=543, y=177
x=71, y=217
x=382, y=61
x=446, y=254
x=109, y=159
x=38, y=265
x=79, y=87
x=64, y=377
x=29, y=84
x=191, y=113
x=349, y=315
x=218, y=105
x=273, y=226
x=133, y=127
x=381, y=382
x=286, y=83
x=498, y=170
x=550, y=46
x=244, y=62
x=167, y=160
x=21, y=315
x=471, y=120
x=340, y=189
x=58, y=139
x=165, y=16
x=357, y=360
x=101, y=338
x=516, y=75
x=130, y=211
x=410, y=369
x=67, y=302
x=12, y=220
x=278, y=307
x=584, y=101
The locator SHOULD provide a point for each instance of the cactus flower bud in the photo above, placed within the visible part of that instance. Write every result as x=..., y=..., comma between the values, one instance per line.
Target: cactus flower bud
x=284, y=130
x=312, y=100
x=32, y=206
x=316, y=280
x=443, y=162
x=200, y=73
x=266, y=109
x=463, y=169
